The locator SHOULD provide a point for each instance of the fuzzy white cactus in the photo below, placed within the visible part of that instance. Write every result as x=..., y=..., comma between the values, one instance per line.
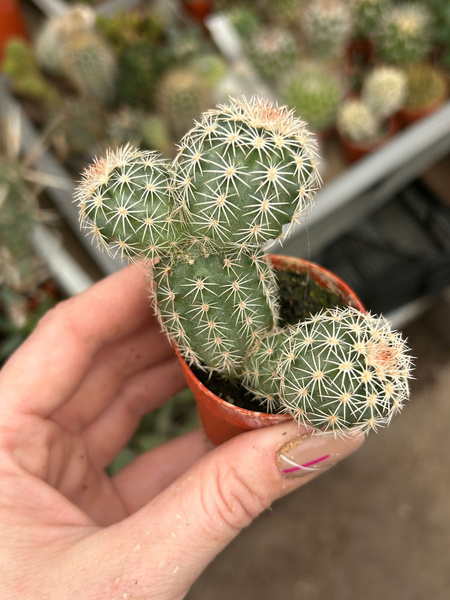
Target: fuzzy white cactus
x=357, y=122
x=385, y=90
x=328, y=26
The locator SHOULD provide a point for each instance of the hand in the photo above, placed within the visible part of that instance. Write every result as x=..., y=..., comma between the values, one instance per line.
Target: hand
x=70, y=398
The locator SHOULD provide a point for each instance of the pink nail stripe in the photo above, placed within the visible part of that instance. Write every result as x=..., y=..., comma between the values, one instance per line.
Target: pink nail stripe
x=305, y=465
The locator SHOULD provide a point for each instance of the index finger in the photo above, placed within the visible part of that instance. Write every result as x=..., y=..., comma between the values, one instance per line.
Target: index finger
x=46, y=370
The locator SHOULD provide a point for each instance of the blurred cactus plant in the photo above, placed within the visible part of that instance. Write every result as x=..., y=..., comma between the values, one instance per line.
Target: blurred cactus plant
x=385, y=90
x=427, y=87
x=406, y=33
x=273, y=51
x=26, y=79
x=243, y=175
x=315, y=93
x=367, y=14
x=328, y=26
x=357, y=122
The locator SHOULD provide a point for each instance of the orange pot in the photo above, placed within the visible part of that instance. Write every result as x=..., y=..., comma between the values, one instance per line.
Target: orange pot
x=11, y=23
x=407, y=116
x=353, y=151
x=222, y=420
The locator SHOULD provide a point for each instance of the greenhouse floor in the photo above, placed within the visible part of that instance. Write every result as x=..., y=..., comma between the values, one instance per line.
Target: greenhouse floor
x=376, y=526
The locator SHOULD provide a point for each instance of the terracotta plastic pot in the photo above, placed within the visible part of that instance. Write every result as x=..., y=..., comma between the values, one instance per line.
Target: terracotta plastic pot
x=222, y=420
x=11, y=23
x=407, y=116
x=353, y=151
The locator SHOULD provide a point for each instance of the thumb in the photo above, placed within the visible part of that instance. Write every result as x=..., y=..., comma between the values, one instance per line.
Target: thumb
x=189, y=523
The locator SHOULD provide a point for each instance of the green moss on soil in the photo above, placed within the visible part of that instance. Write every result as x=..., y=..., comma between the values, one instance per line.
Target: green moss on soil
x=300, y=297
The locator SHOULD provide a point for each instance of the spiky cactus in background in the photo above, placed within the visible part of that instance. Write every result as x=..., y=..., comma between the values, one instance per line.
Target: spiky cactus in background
x=244, y=20
x=243, y=174
x=315, y=93
x=26, y=79
x=124, y=126
x=384, y=90
x=90, y=66
x=210, y=68
x=427, y=86
x=367, y=15
x=182, y=96
x=328, y=26
x=53, y=36
x=128, y=28
x=156, y=135
x=357, y=122
x=405, y=34
x=273, y=51
x=77, y=128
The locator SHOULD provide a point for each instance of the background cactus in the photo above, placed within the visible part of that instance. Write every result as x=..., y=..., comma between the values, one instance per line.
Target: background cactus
x=273, y=51
x=427, y=86
x=357, y=122
x=367, y=14
x=406, y=33
x=315, y=93
x=128, y=28
x=90, y=66
x=385, y=90
x=181, y=97
x=156, y=136
x=25, y=77
x=327, y=25
x=214, y=289
x=53, y=36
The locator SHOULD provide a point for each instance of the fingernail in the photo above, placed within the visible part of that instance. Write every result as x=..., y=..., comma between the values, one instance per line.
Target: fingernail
x=306, y=454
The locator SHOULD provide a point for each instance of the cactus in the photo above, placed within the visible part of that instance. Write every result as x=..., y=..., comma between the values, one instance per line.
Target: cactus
x=358, y=123
x=156, y=136
x=245, y=21
x=367, y=14
x=77, y=128
x=210, y=68
x=52, y=38
x=90, y=66
x=328, y=26
x=406, y=34
x=181, y=97
x=26, y=79
x=273, y=51
x=242, y=174
x=128, y=28
x=427, y=86
x=338, y=370
x=315, y=94
x=124, y=126
x=384, y=90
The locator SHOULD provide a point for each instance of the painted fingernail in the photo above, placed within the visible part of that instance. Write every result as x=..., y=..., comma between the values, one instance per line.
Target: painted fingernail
x=308, y=454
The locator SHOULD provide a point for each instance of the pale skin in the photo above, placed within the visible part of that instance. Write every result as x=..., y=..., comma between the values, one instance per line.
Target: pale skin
x=70, y=398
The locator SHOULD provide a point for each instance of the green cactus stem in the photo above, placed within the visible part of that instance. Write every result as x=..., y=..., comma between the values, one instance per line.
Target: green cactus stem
x=338, y=371
x=427, y=86
x=244, y=173
x=126, y=203
x=367, y=15
x=273, y=51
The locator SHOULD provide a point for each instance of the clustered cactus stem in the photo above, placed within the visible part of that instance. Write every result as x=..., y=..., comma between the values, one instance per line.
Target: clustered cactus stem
x=242, y=176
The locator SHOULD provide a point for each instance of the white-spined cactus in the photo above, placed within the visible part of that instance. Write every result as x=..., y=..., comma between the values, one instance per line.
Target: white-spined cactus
x=385, y=90
x=328, y=26
x=367, y=15
x=357, y=122
x=243, y=174
x=339, y=370
x=273, y=51
x=405, y=34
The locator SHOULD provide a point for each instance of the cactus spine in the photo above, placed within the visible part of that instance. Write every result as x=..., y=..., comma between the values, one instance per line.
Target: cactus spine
x=242, y=174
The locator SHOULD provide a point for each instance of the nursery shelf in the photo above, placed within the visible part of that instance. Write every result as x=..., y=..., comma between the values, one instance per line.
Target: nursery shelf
x=365, y=186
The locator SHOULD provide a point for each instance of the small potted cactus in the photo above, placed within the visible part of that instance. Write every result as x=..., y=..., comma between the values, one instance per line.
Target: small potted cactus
x=242, y=176
x=427, y=91
x=273, y=51
x=327, y=25
x=406, y=33
x=367, y=122
x=315, y=93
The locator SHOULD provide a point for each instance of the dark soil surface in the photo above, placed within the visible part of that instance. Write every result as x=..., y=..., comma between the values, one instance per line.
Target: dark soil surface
x=300, y=298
